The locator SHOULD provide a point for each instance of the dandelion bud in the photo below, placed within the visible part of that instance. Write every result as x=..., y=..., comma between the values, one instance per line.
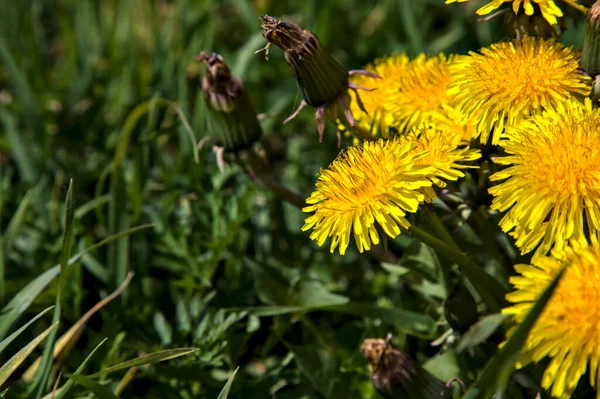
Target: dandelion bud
x=395, y=375
x=231, y=116
x=322, y=79
x=590, y=58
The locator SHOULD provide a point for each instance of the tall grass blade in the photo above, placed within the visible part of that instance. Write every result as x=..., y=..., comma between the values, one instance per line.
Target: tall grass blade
x=43, y=374
x=151, y=358
x=21, y=302
x=503, y=362
x=11, y=365
x=19, y=148
x=100, y=391
x=70, y=337
x=14, y=335
x=225, y=391
x=69, y=384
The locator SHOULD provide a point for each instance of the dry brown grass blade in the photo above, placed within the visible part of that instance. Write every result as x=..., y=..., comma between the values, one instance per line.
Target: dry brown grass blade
x=56, y=385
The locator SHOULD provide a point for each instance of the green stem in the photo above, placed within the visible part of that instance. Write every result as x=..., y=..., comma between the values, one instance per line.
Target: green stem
x=270, y=182
x=439, y=228
x=490, y=291
x=440, y=231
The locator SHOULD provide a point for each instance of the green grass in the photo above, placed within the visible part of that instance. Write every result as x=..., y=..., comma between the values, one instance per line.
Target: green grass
x=105, y=94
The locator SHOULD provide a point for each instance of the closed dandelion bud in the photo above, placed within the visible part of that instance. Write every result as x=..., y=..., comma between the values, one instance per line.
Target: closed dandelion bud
x=324, y=82
x=395, y=375
x=231, y=116
x=460, y=309
x=590, y=58
x=321, y=77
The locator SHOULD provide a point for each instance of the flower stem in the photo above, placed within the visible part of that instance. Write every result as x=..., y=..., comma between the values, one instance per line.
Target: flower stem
x=490, y=291
x=270, y=182
x=440, y=231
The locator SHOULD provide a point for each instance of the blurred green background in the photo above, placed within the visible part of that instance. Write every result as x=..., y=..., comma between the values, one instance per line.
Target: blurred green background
x=79, y=87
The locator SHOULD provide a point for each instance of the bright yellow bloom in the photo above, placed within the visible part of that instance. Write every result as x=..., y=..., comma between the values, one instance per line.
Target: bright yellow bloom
x=367, y=190
x=568, y=330
x=511, y=81
x=409, y=93
x=552, y=187
x=548, y=8
x=446, y=154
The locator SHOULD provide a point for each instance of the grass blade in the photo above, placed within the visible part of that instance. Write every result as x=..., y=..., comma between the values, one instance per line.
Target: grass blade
x=43, y=374
x=21, y=302
x=155, y=357
x=225, y=391
x=118, y=252
x=24, y=93
x=100, y=391
x=69, y=384
x=486, y=384
x=18, y=219
x=19, y=149
x=70, y=337
x=11, y=365
x=14, y=335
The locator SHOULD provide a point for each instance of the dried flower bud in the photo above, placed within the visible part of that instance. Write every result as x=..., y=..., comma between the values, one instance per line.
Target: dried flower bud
x=231, y=116
x=322, y=79
x=590, y=57
x=395, y=375
x=320, y=76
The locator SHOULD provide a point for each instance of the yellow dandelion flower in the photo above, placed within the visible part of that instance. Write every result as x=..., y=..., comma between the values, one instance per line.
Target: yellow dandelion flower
x=511, y=81
x=408, y=93
x=568, y=330
x=552, y=187
x=367, y=190
x=548, y=8
x=446, y=154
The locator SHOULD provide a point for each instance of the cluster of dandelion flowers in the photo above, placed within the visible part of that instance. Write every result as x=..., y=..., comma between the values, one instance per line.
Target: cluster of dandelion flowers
x=551, y=188
x=408, y=93
x=510, y=81
x=548, y=8
x=447, y=154
x=568, y=330
x=366, y=191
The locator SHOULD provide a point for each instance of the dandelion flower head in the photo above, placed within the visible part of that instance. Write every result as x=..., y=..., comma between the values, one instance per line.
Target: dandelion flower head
x=568, y=330
x=551, y=187
x=550, y=11
x=366, y=191
x=447, y=154
x=509, y=81
x=408, y=93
